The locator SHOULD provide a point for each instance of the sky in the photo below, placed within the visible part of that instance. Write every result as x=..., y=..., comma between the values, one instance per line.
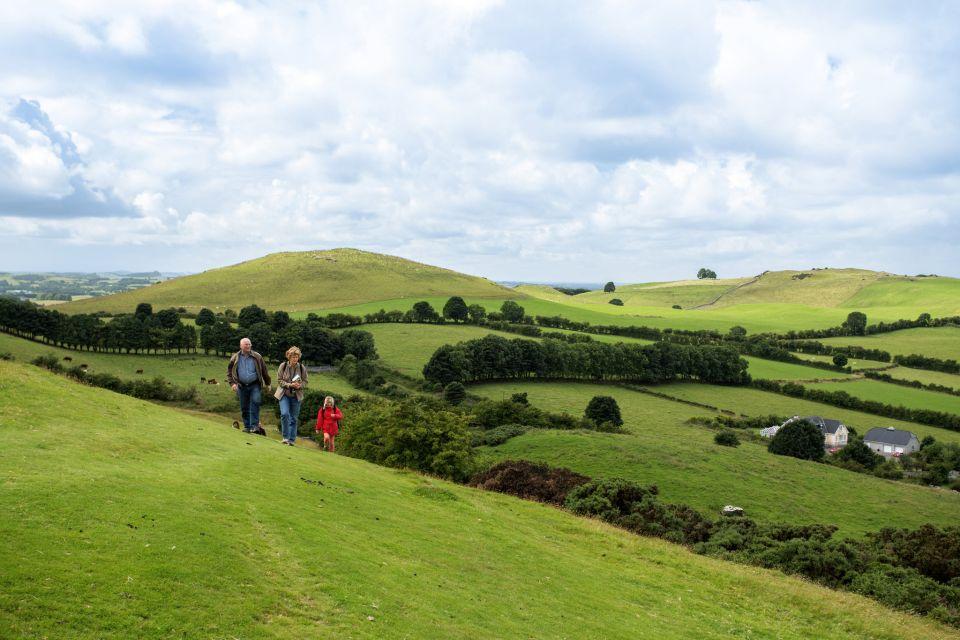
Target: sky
x=537, y=141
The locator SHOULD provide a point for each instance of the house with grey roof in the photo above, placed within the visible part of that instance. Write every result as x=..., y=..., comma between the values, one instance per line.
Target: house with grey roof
x=835, y=433
x=891, y=442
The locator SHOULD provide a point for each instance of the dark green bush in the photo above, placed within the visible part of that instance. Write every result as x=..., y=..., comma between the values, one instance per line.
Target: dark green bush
x=617, y=302
x=414, y=434
x=454, y=393
x=727, y=438
x=48, y=361
x=602, y=409
x=799, y=439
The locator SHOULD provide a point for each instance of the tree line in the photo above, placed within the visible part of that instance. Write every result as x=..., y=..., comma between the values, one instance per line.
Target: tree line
x=142, y=331
x=494, y=358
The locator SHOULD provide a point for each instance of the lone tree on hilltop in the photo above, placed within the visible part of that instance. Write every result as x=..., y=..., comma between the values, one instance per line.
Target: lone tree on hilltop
x=799, y=439
x=512, y=312
x=604, y=409
x=456, y=309
x=609, y=287
x=705, y=273
x=856, y=323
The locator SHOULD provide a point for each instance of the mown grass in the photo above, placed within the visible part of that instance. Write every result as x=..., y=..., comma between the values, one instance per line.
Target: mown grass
x=936, y=342
x=124, y=519
x=682, y=459
x=296, y=281
x=895, y=394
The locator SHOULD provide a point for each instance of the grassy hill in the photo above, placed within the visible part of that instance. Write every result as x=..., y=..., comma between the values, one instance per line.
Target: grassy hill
x=297, y=281
x=125, y=519
x=774, y=300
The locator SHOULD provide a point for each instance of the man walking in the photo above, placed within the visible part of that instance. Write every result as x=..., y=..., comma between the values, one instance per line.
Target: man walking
x=247, y=375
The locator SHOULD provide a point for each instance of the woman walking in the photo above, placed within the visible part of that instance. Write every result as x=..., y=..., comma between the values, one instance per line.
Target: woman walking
x=328, y=421
x=291, y=379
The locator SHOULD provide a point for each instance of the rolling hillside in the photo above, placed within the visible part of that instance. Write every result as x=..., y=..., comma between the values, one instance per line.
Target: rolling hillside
x=307, y=280
x=136, y=527
x=822, y=295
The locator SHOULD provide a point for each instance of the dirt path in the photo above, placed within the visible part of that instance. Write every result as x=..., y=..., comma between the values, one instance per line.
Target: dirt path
x=728, y=292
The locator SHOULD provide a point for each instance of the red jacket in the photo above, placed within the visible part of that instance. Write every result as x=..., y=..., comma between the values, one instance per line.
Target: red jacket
x=328, y=420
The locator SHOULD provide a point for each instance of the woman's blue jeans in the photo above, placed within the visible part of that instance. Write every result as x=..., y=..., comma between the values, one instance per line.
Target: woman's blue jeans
x=289, y=412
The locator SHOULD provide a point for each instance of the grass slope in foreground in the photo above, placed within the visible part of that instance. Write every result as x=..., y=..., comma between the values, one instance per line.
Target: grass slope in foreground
x=156, y=524
x=682, y=459
x=297, y=281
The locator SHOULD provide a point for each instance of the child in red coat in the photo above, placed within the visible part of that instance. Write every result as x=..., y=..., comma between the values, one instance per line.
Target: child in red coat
x=328, y=421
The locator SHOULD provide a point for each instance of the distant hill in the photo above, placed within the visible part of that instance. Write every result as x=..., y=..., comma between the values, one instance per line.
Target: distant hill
x=158, y=523
x=301, y=281
x=823, y=288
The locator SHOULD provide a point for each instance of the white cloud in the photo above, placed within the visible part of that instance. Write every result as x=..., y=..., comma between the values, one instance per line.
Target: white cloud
x=582, y=138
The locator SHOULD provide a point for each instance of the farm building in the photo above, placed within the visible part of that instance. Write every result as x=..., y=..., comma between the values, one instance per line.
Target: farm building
x=835, y=433
x=891, y=442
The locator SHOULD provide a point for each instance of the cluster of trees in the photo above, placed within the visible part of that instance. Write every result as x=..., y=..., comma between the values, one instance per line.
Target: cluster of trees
x=272, y=333
x=454, y=310
x=706, y=274
x=140, y=332
x=494, y=357
x=845, y=400
x=913, y=570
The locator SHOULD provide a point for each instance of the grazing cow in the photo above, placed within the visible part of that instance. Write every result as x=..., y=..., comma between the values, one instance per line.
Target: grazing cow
x=83, y=366
x=68, y=358
x=212, y=381
x=202, y=380
x=139, y=370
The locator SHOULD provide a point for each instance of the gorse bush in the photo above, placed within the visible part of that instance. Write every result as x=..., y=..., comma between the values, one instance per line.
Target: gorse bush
x=414, y=434
x=530, y=481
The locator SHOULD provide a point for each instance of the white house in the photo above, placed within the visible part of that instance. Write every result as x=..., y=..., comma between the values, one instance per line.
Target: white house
x=835, y=433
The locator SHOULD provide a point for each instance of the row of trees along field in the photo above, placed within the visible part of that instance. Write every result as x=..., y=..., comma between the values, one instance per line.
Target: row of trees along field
x=494, y=357
x=140, y=332
x=146, y=331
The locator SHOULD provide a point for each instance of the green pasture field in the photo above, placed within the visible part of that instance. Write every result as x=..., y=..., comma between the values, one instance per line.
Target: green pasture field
x=408, y=347
x=683, y=461
x=183, y=370
x=157, y=524
x=894, y=394
x=853, y=363
x=935, y=342
x=925, y=377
